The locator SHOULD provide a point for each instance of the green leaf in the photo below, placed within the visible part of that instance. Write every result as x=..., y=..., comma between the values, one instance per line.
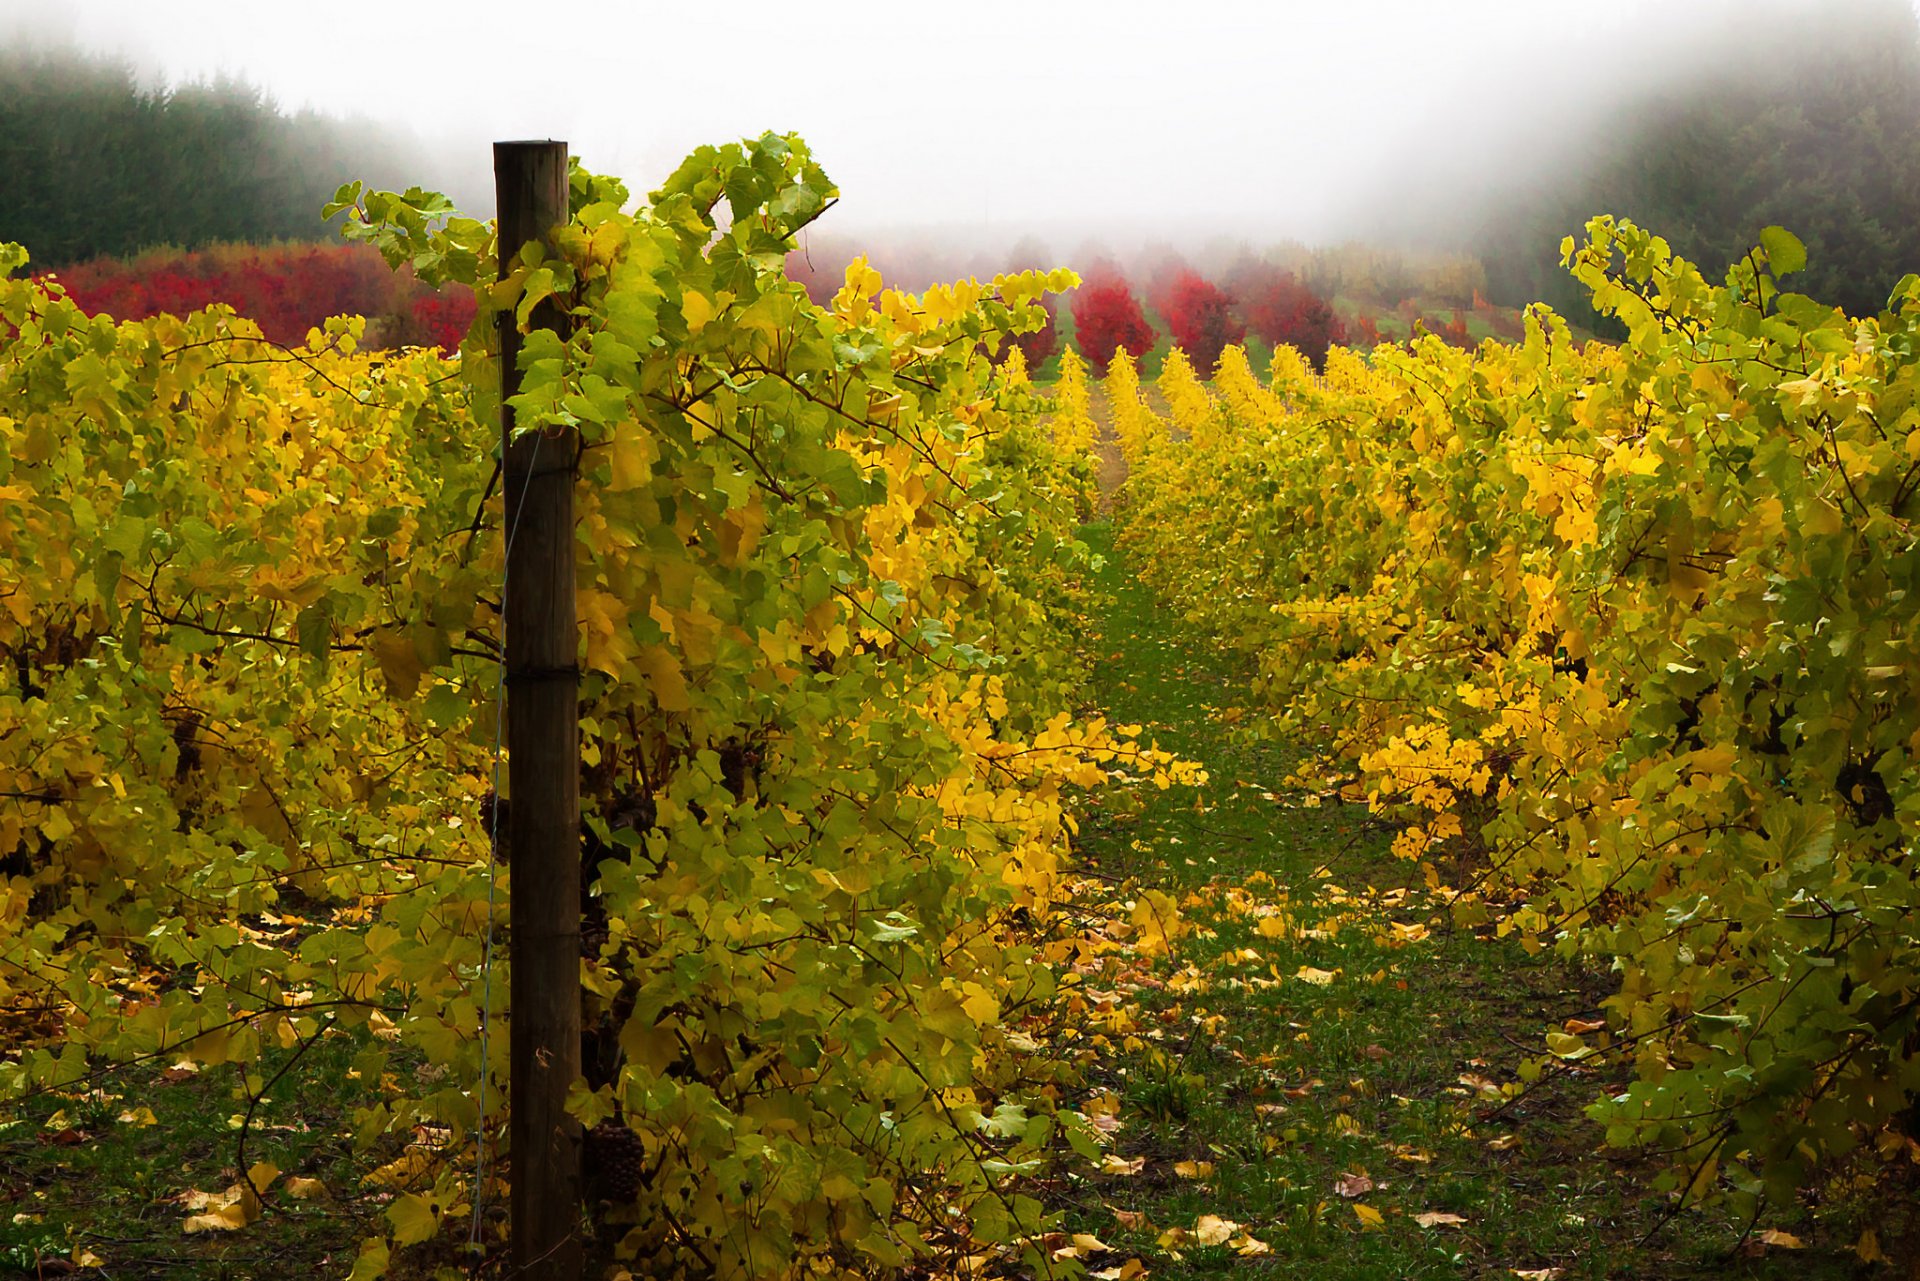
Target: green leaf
x=1785, y=253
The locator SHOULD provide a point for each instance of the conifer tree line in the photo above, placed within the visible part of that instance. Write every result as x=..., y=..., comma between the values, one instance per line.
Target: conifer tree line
x=1801, y=116
x=96, y=160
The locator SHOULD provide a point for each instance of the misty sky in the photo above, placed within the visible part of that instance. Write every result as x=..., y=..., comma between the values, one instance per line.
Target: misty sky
x=1059, y=117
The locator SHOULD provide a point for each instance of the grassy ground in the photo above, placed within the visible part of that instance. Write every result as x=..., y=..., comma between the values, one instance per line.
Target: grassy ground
x=109, y=1173
x=1320, y=1065
x=1322, y=1062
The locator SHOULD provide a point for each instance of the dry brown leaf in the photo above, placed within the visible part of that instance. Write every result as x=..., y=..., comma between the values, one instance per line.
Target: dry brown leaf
x=1353, y=1185
x=1438, y=1219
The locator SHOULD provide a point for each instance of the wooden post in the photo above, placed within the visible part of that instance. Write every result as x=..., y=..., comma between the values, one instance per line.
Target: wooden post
x=543, y=763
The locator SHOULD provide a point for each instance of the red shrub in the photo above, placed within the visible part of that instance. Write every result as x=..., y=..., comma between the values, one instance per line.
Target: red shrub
x=1279, y=307
x=285, y=289
x=1202, y=321
x=1042, y=342
x=1106, y=318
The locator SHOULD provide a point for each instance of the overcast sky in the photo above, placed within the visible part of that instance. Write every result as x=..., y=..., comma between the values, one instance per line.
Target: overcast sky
x=1049, y=116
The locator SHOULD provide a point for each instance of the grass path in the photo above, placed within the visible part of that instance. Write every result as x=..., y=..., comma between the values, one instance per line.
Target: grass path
x=1322, y=1060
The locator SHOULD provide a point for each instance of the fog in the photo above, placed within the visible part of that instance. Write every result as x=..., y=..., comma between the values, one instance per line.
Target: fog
x=1064, y=121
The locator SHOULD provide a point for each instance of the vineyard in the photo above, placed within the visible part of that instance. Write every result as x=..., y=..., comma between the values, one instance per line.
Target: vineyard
x=1552, y=698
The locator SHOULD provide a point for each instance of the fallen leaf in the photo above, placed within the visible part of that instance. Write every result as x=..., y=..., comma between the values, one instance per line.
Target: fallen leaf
x=1123, y=1166
x=141, y=1116
x=261, y=1175
x=301, y=1188
x=1371, y=1219
x=1211, y=1229
x=68, y=1138
x=1538, y=1274
x=1247, y=1246
x=1580, y=1027
x=1087, y=1243
x=1868, y=1247
x=85, y=1258
x=1131, y=1270
x=1193, y=1169
x=1438, y=1219
x=1785, y=1240
x=1132, y=1220
x=1317, y=977
x=228, y=1218
x=1353, y=1185
x=1504, y=1142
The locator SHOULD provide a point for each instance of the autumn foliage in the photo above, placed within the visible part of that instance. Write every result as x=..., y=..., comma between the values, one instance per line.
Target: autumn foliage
x=1283, y=310
x=287, y=289
x=1106, y=318
x=1202, y=319
x=1039, y=344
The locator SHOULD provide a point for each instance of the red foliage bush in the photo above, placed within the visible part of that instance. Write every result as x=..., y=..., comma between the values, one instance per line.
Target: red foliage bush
x=285, y=289
x=1279, y=307
x=1042, y=342
x=1107, y=317
x=1201, y=317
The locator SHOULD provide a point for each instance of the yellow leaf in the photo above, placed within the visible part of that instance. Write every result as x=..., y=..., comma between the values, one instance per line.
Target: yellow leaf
x=1785, y=1240
x=1319, y=978
x=228, y=1218
x=668, y=682
x=632, y=453
x=141, y=1116
x=698, y=310
x=261, y=1175
x=1193, y=1169
x=1371, y=1219
x=400, y=664
x=1157, y=917
x=301, y=1188
x=1566, y=1046
x=372, y=1261
x=402, y=1173
x=85, y=1258
x=1111, y=1164
x=1438, y=1219
x=414, y=1218
x=1211, y=1229
x=1868, y=1247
